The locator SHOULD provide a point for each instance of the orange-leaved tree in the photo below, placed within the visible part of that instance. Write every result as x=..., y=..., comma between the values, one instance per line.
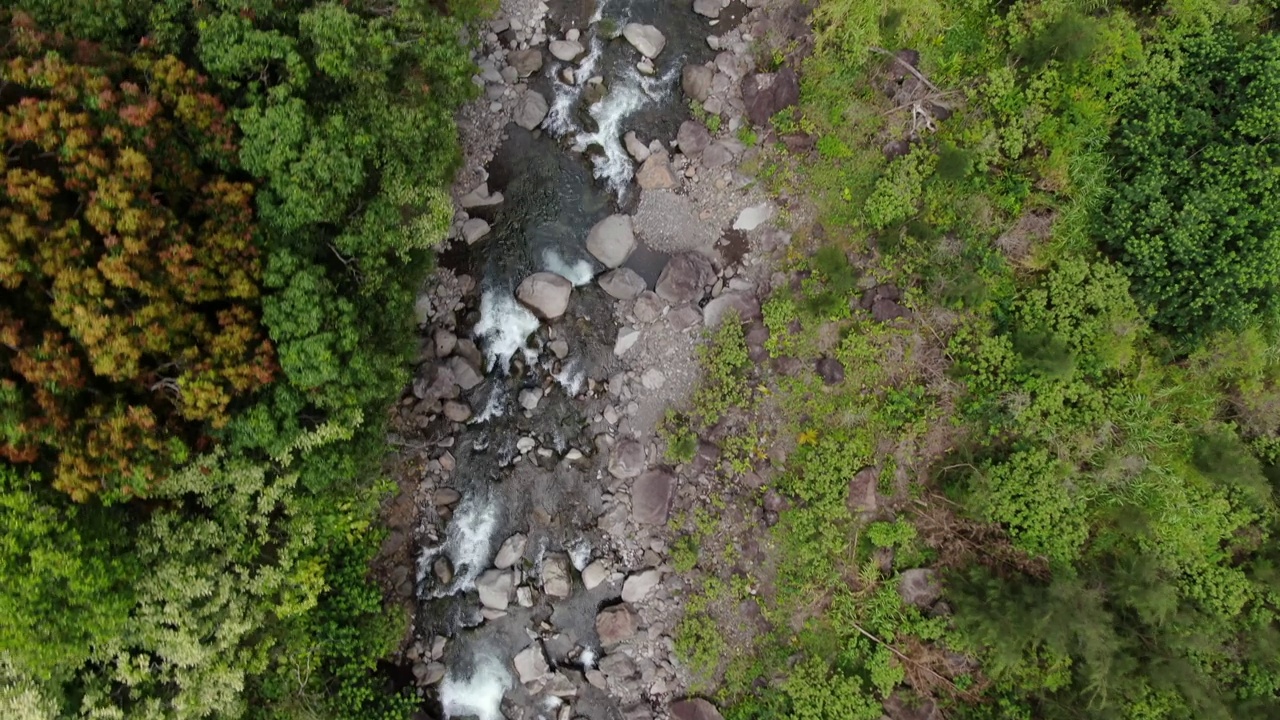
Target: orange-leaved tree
x=129, y=278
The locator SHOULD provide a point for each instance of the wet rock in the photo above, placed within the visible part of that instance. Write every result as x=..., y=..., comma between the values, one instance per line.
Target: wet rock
x=594, y=574
x=480, y=197
x=623, y=283
x=525, y=444
x=559, y=347
x=495, y=588
x=646, y=67
x=753, y=217
x=566, y=50
x=428, y=674
x=656, y=174
x=765, y=94
x=652, y=495
x=830, y=370
x=615, y=624
x=443, y=570
x=611, y=240
x=532, y=110
x=716, y=155
x=465, y=374
x=627, y=339
x=547, y=294
x=626, y=460
x=635, y=148
x=444, y=497
x=919, y=587
x=529, y=398
x=510, y=552
x=695, y=80
x=555, y=576
x=531, y=664
x=526, y=62
x=647, y=39
x=445, y=341
x=648, y=307
x=694, y=709
x=457, y=411
x=685, y=278
x=638, y=586
x=474, y=229
x=745, y=306
x=692, y=138
x=707, y=8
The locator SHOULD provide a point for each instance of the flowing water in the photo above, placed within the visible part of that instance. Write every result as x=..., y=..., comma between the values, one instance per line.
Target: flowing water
x=557, y=183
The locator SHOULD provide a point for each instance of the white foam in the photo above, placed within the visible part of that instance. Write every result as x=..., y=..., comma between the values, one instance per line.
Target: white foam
x=468, y=544
x=587, y=658
x=579, y=273
x=496, y=405
x=479, y=695
x=505, y=326
x=570, y=377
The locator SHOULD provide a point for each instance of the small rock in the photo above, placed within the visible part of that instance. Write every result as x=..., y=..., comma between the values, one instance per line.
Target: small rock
x=566, y=50
x=457, y=411
x=594, y=574
x=524, y=596
x=695, y=80
x=626, y=460
x=525, y=444
x=573, y=34
x=474, y=229
x=623, y=283
x=510, y=552
x=707, y=8
x=618, y=666
x=480, y=197
x=647, y=39
x=529, y=398
x=526, y=62
x=532, y=110
x=651, y=496
x=555, y=576
x=638, y=586
x=645, y=66
x=559, y=347
x=615, y=624
x=443, y=570
x=637, y=149
x=692, y=138
x=752, y=217
x=531, y=664
x=547, y=294
x=626, y=340
x=445, y=496
x=648, y=307
x=612, y=240
x=510, y=75
x=494, y=587
x=597, y=679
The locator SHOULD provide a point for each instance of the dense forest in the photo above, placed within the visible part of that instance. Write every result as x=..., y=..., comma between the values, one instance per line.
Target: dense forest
x=215, y=221
x=217, y=215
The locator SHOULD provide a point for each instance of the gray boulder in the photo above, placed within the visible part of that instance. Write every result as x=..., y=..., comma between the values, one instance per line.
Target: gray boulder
x=555, y=576
x=532, y=110
x=623, y=283
x=611, y=240
x=510, y=552
x=635, y=148
x=638, y=586
x=615, y=624
x=692, y=138
x=651, y=496
x=474, y=229
x=547, y=294
x=627, y=458
x=695, y=80
x=685, y=278
x=531, y=664
x=647, y=39
x=566, y=50
x=656, y=173
x=495, y=587
x=464, y=373
x=526, y=62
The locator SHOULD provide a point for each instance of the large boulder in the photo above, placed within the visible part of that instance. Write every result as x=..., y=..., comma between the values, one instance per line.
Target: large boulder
x=645, y=38
x=611, y=240
x=623, y=283
x=627, y=458
x=745, y=306
x=651, y=496
x=465, y=374
x=547, y=294
x=638, y=586
x=615, y=624
x=532, y=110
x=695, y=80
x=510, y=552
x=685, y=278
x=692, y=138
x=555, y=576
x=635, y=148
x=656, y=173
x=480, y=197
x=765, y=94
x=531, y=664
x=495, y=587
x=694, y=709
x=566, y=50
x=919, y=587
x=474, y=229
x=526, y=62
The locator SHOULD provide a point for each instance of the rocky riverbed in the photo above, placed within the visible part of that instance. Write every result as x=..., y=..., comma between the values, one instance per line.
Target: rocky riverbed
x=600, y=229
